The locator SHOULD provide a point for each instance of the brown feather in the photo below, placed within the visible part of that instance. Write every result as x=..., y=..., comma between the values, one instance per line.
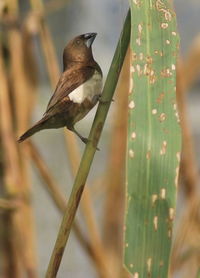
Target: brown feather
x=37, y=127
x=70, y=80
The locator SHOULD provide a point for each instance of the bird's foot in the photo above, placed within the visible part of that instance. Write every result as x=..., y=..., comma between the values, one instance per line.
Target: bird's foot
x=86, y=140
x=83, y=139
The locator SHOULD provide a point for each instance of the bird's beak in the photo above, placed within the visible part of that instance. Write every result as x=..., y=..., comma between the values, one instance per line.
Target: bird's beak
x=89, y=38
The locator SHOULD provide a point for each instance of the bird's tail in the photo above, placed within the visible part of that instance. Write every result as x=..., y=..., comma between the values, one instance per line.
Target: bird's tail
x=37, y=127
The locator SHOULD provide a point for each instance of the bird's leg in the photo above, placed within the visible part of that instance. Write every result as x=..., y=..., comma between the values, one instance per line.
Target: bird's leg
x=83, y=139
x=104, y=101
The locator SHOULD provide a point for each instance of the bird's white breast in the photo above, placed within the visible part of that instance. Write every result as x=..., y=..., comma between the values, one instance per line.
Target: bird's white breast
x=89, y=89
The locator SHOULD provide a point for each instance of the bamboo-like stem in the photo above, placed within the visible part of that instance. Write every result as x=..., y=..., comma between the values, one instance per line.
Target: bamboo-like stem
x=61, y=203
x=115, y=183
x=8, y=204
x=90, y=150
x=87, y=209
x=47, y=44
x=11, y=177
x=21, y=88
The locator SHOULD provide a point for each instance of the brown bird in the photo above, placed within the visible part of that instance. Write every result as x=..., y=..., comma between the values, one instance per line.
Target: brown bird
x=78, y=89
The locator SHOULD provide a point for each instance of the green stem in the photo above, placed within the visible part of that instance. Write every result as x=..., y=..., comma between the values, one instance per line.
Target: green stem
x=86, y=161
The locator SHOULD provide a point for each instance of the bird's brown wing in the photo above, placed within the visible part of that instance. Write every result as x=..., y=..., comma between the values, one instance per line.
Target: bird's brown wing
x=69, y=81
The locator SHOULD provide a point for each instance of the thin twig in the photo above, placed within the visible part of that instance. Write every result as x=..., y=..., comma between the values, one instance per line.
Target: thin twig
x=89, y=152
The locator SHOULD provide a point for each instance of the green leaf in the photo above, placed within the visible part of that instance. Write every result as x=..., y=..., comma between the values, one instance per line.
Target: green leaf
x=154, y=139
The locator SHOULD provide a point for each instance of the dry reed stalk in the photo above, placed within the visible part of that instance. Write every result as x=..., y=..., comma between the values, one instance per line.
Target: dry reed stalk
x=22, y=91
x=189, y=224
x=30, y=68
x=19, y=83
x=11, y=179
x=187, y=73
x=60, y=202
x=186, y=248
x=54, y=73
x=115, y=182
x=8, y=204
x=45, y=173
x=54, y=5
x=189, y=168
x=47, y=43
x=188, y=229
x=191, y=65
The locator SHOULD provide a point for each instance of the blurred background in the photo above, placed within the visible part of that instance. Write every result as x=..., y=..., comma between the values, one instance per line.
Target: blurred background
x=36, y=176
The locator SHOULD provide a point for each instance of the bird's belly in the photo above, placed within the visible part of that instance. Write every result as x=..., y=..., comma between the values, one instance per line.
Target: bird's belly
x=88, y=90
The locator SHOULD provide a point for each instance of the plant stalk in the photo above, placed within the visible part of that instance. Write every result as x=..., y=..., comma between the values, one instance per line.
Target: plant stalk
x=90, y=150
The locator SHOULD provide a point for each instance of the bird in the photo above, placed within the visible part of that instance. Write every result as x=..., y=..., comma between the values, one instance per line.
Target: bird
x=78, y=89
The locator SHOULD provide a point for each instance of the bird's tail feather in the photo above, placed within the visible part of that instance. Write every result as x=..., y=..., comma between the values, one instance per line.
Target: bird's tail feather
x=37, y=127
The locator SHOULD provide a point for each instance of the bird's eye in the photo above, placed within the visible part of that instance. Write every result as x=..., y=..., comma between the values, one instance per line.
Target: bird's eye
x=78, y=42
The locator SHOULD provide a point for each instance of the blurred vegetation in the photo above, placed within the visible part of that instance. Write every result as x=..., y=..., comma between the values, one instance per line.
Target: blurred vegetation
x=24, y=29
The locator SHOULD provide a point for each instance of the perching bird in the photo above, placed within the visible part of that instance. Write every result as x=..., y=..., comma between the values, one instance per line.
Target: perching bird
x=77, y=91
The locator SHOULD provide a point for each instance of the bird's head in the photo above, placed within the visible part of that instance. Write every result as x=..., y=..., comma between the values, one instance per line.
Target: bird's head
x=79, y=49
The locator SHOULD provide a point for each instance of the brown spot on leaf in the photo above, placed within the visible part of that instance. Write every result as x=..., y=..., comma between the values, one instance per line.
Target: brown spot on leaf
x=160, y=98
